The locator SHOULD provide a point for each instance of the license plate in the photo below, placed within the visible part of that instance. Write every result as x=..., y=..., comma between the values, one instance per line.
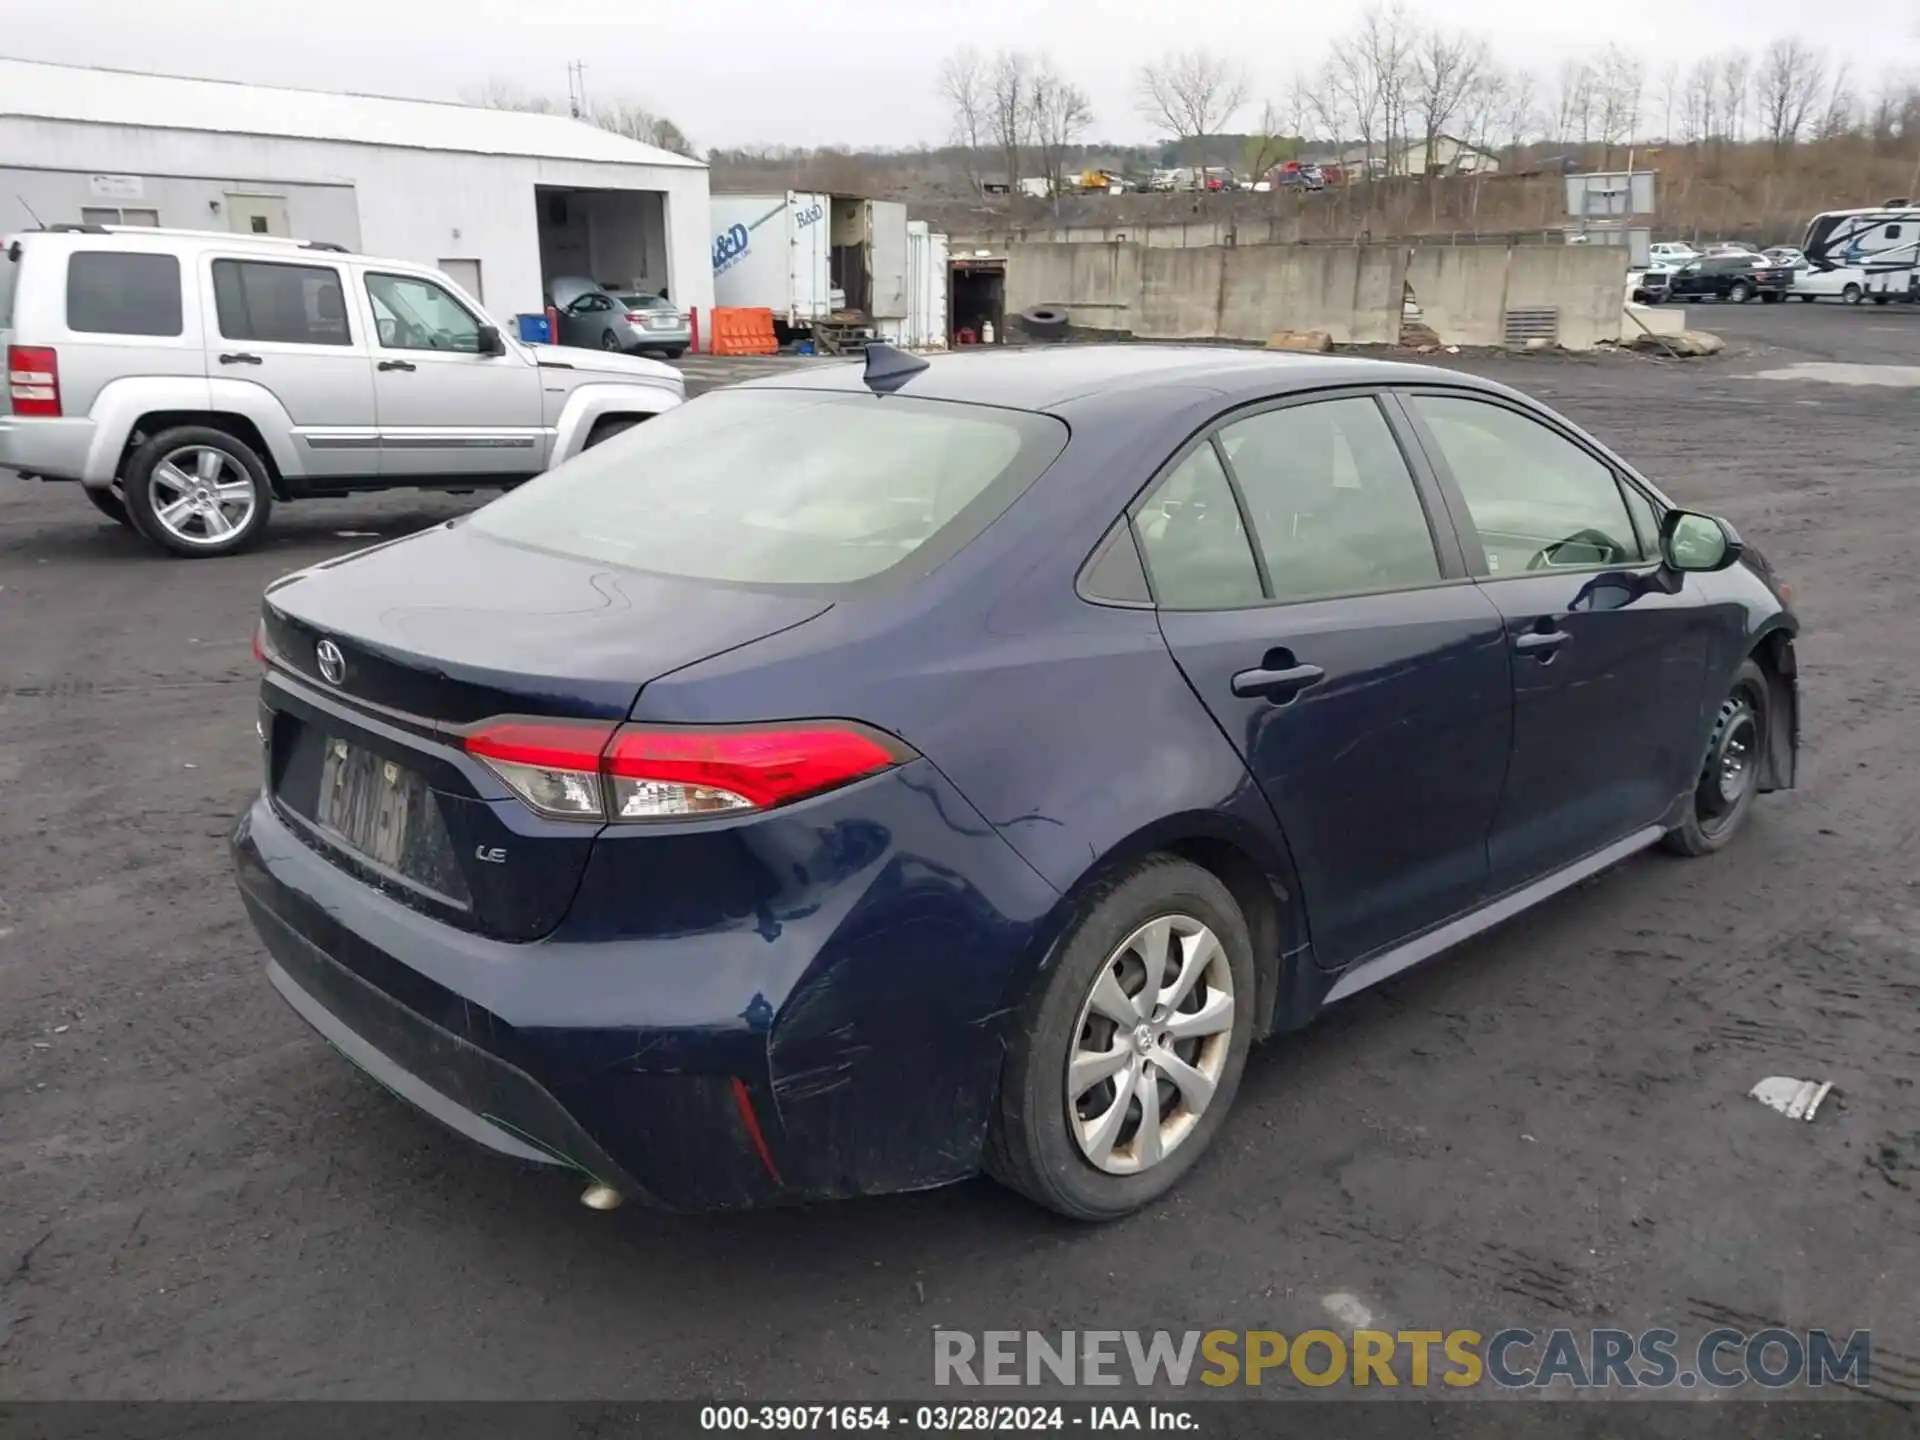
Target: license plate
x=371, y=803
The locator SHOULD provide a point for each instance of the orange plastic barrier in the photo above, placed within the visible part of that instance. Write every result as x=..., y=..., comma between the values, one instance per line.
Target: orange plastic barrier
x=743, y=331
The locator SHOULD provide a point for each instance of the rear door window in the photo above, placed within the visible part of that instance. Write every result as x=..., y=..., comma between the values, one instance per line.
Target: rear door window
x=785, y=488
x=1332, y=501
x=118, y=292
x=290, y=304
x=1194, y=540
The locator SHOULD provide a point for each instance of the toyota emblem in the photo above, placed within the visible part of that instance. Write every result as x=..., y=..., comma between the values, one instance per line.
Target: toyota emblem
x=333, y=665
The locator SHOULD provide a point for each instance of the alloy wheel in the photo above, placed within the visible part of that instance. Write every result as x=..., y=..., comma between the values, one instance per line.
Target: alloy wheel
x=201, y=496
x=1150, y=1045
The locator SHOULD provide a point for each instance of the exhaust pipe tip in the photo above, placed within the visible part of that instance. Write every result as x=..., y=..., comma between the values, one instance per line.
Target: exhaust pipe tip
x=601, y=1197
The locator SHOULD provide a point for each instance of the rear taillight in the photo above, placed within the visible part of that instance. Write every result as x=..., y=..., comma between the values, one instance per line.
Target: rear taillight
x=635, y=318
x=260, y=643
x=570, y=770
x=33, y=380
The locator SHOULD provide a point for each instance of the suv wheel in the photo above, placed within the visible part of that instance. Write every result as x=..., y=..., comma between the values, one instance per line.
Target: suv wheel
x=1740, y=293
x=109, y=504
x=198, y=491
x=1127, y=1055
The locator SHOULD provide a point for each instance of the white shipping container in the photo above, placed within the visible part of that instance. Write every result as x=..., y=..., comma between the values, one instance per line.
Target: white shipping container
x=887, y=259
x=772, y=252
x=926, y=323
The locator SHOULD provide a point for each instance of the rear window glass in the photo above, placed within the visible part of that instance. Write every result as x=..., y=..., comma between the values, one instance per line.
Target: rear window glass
x=119, y=292
x=296, y=304
x=785, y=487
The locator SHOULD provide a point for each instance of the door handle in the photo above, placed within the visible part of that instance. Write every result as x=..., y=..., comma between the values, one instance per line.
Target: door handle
x=1542, y=643
x=395, y=365
x=1279, y=678
x=239, y=357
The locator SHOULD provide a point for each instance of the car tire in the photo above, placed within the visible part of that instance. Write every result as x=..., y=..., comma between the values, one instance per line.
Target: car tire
x=1771, y=297
x=1880, y=299
x=109, y=504
x=234, y=482
x=609, y=340
x=1852, y=295
x=1740, y=292
x=1730, y=775
x=1042, y=1140
x=675, y=353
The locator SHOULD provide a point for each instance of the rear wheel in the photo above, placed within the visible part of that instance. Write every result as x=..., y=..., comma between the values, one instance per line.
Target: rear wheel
x=198, y=491
x=1740, y=293
x=609, y=340
x=1851, y=295
x=1730, y=776
x=1772, y=297
x=1127, y=1055
x=109, y=504
x=675, y=353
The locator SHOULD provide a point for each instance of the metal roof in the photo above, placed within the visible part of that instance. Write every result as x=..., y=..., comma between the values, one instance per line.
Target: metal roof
x=83, y=94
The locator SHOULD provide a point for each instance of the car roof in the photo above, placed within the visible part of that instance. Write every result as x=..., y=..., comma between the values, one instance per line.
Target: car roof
x=1050, y=377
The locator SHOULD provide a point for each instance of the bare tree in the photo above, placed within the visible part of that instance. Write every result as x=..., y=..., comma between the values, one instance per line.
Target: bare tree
x=622, y=117
x=1574, y=95
x=1385, y=45
x=1447, y=70
x=963, y=85
x=1058, y=114
x=1668, y=94
x=1191, y=94
x=1518, y=111
x=1736, y=90
x=1787, y=87
x=1010, y=108
x=499, y=93
x=1840, y=112
x=1702, y=99
x=1621, y=80
x=1277, y=138
x=636, y=122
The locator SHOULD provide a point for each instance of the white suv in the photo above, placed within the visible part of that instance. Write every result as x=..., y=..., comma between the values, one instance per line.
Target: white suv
x=189, y=379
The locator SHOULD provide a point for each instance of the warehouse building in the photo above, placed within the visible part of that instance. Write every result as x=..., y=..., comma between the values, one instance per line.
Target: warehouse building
x=501, y=200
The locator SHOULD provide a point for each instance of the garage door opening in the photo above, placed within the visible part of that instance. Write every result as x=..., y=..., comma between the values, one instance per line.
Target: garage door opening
x=978, y=299
x=616, y=238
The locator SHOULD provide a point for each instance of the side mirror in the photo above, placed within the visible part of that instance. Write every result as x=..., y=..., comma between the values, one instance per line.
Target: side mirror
x=490, y=341
x=1691, y=542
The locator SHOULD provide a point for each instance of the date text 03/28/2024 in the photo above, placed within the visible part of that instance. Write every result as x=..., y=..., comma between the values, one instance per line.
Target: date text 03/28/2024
x=944, y=1419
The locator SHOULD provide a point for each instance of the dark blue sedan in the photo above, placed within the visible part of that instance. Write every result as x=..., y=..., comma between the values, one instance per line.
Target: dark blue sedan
x=862, y=778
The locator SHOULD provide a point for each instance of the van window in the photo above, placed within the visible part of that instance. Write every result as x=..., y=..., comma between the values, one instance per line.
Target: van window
x=116, y=292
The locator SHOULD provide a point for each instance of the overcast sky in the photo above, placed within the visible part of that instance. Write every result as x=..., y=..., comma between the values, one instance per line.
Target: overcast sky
x=858, y=72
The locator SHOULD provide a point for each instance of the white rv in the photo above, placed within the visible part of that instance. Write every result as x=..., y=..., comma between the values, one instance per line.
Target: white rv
x=1882, y=242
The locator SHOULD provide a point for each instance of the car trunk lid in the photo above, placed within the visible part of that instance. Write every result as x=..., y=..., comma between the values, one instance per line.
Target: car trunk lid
x=380, y=669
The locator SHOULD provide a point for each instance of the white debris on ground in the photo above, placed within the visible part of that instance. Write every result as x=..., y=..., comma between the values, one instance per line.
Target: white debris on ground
x=1795, y=1099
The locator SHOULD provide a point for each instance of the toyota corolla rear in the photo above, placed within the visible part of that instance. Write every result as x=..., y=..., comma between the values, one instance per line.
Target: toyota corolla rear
x=707, y=964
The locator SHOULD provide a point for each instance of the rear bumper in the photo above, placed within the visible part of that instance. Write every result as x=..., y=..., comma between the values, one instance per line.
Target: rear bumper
x=50, y=448
x=856, y=1050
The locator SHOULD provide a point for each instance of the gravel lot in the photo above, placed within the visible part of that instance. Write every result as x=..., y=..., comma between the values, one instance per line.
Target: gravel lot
x=1549, y=1127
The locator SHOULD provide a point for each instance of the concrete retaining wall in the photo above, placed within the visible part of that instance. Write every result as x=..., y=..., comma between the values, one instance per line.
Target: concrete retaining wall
x=1583, y=281
x=1097, y=285
x=1354, y=293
